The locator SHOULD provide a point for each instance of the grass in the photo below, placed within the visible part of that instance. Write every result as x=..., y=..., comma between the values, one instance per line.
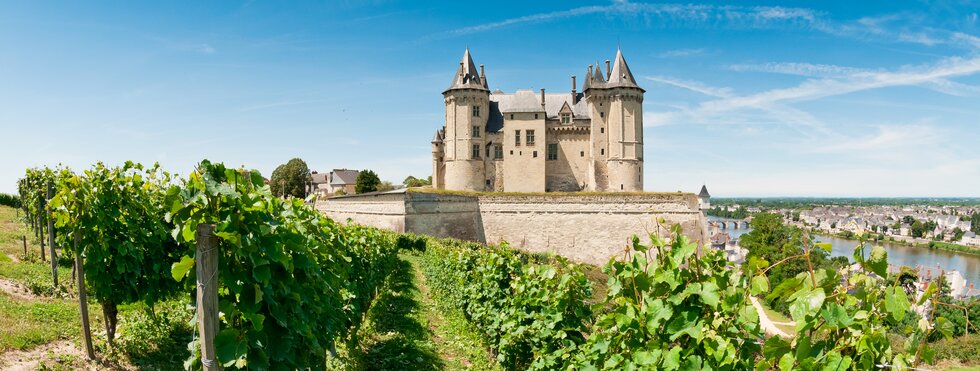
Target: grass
x=24, y=324
x=406, y=330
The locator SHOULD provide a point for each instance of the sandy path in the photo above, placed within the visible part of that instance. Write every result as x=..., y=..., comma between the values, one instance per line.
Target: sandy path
x=768, y=325
x=15, y=290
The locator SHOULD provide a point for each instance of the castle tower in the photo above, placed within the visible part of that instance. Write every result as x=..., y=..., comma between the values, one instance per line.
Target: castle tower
x=467, y=107
x=438, y=166
x=616, y=105
x=704, y=198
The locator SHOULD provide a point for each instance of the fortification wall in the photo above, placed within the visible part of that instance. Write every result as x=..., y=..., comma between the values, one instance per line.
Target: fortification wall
x=384, y=210
x=588, y=228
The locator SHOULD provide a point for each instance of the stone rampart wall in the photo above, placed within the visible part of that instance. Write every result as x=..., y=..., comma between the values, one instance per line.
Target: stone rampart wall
x=589, y=228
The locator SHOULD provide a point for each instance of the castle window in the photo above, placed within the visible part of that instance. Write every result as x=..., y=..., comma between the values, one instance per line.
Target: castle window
x=476, y=131
x=512, y=116
x=535, y=116
x=517, y=137
x=530, y=137
x=602, y=114
x=535, y=154
x=512, y=153
x=476, y=111
x=476, y=151
x=552, y=151
x=488, y=151
x=602, y=130
x=602, y=151
x=498, y=151
x=581, y=154
x=566, y=118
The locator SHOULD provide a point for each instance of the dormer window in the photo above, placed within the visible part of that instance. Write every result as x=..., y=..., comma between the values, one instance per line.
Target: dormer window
x=566, y=118
x=476, y=111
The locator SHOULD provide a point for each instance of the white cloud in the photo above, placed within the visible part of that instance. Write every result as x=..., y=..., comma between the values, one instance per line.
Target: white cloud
x=821, y=88
x=693, y=86
x=889, y=142
x=681, y=53
x=695, y=14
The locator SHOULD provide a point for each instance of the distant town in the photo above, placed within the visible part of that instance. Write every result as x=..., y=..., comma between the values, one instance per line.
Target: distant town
x=914, y=224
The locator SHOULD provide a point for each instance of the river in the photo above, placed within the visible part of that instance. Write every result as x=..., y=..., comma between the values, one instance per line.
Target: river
x=966, y=264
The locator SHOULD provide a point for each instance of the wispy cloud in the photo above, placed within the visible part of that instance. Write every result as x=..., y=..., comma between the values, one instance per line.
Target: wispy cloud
x=888, y=27
x=776, y=106
x=681, y=53
x=888, y=142
x=842, y=79
x=694, y=14
x=693, y=86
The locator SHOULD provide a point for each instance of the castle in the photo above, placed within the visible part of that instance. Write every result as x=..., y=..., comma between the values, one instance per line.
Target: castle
x=527, y=142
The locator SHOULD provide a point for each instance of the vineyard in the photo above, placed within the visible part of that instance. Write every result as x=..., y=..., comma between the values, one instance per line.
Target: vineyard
x=213, y=270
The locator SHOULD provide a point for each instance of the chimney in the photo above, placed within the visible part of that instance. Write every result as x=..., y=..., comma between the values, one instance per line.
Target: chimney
x=608, y=71
x=483, y=76
x=481, y=71
x=574, y=94
x=590, y=69
x=542, y=97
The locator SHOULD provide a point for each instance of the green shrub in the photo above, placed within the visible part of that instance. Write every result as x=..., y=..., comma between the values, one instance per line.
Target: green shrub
x=965, y=349
x=525, y=310
x=10, y=200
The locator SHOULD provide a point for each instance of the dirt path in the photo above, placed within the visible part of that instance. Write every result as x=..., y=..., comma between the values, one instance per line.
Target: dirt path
x=15, y=290
x=60, y=352
x=768, y=325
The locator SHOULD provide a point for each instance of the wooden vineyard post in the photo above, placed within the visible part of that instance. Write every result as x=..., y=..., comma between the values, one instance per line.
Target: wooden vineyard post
x=206, y=261
x=54, y=256
x=83, y=298
x=25, y=245
x=40, y=227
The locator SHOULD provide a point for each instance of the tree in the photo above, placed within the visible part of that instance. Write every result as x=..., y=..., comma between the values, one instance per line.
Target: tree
x=385, y=186
x=958, y=234
x=975, y=222
x=908, y=219
x=291, y=179
x=367, y=181
x=412, y=181
x=918, y=229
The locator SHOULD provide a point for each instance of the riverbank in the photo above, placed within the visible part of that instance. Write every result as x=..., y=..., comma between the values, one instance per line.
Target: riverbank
x=931, y=245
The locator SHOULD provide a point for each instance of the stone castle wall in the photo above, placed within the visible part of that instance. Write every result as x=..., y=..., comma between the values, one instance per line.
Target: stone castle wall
x=588, y=228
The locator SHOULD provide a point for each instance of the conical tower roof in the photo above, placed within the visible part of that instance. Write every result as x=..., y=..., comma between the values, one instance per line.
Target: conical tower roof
x=597, y=76
x=704, y=192
x=467, y=76
x=621, y=76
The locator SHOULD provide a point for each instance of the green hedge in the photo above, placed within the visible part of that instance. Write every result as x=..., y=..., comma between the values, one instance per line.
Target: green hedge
x=10, y=200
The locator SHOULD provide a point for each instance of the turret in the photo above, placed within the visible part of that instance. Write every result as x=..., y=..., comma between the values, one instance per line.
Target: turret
x=704, y=199
x=467, y=107
x=616, y=105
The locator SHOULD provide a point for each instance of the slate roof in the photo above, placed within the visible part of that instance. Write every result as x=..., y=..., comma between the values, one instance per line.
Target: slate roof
x=467, y=76
x=704, y=192
x=619, y=77
x=344, y=176
x=528, y=101
x=320, y=178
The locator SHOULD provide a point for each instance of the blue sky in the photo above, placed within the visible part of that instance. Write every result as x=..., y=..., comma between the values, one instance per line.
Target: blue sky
x=830, y=98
